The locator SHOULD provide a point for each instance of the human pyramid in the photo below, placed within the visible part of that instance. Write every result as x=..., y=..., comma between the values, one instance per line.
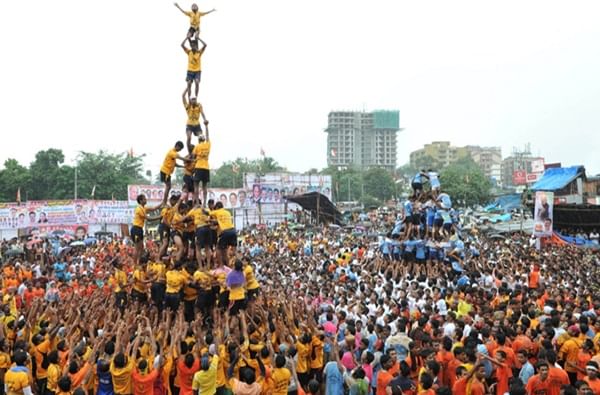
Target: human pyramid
x=191, y=222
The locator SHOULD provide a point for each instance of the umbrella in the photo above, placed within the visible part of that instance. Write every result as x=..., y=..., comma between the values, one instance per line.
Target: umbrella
x=77, y=244
x=90, y=240
x=64, y=250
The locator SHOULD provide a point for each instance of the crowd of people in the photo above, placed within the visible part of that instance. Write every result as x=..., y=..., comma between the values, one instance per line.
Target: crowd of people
x=427, y=308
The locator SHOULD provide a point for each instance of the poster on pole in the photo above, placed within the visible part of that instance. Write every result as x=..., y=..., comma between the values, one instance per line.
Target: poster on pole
x=543, y=219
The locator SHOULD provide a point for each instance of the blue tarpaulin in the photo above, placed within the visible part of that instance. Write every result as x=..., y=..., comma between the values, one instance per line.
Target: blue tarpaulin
x=557, y=178
x=505, y=203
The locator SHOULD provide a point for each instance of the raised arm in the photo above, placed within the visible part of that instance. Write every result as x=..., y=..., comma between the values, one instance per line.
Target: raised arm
x=207, y=138
x=180, y=9
x=203, y=46
x=184, y=98
x=185, y=49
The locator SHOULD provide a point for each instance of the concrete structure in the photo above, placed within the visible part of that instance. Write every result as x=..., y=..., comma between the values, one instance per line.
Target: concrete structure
x=521, y=163
x=362, y=139
x=489, y=160
x=441, y=153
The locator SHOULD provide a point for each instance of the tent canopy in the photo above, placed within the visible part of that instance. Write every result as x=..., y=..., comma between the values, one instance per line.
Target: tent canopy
x=557, y=178
x=327, y=210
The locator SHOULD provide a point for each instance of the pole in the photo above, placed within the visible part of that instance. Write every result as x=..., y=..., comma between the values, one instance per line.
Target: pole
x=318, y=207
x=75, y=182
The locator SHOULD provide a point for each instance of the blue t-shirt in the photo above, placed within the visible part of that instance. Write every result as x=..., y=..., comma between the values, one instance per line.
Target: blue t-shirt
x=420, y=252
x=418, y=178
x=408, y=208
x=105, y=386
x=334, y=379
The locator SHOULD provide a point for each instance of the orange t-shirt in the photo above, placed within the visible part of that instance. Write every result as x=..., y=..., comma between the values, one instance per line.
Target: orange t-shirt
x=143, y=384
x=186, y=375
x=503, y=374
x=535, y=385
x=594, y=385
x=383, y=380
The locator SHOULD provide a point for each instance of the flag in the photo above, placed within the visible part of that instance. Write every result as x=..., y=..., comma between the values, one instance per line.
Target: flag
x=235, y=168
x=93, y=191
x=333, y=152
x=19, y=195
x=262, y=151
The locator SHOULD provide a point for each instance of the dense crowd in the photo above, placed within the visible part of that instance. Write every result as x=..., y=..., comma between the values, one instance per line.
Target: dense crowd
x=316, y=312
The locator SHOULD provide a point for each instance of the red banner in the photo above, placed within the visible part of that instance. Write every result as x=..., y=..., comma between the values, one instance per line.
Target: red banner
x=519, y=177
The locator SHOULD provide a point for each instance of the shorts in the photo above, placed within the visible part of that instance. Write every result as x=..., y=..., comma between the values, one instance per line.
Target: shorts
x=193, y=76
x=172, y=301
x=189, y=237
x=164, y=232
x=304, y=378
x=157, y=293
x=203, y=237
x=438, y=222
x=206, y=300
x=213, y=237
x=224, y=300
x=164, y=177
x=317, y=374
x=253, y=293
x=138, y=296
x=202, y=175
x=192, y=30
x=237, y=305
x=195, y=129
x=227, y=239
x=137, y=234
x=188, y=183
x=417, y=186
x=416, y=219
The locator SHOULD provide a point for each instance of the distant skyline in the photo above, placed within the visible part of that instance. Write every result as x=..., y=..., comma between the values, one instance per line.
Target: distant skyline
x=83, y=76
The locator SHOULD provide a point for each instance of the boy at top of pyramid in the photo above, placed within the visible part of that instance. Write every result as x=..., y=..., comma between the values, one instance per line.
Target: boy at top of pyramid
x=194, y=16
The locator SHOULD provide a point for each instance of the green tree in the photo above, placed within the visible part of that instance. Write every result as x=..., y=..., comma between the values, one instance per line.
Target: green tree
x=50, y=179
x=379, y=183
x=465, y=182
x=12, y=177
x=110, y=173
x=231, y=174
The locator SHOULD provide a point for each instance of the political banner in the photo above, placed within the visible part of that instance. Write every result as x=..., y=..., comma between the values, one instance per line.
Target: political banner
x=519, y=177
x=63, y=212
x=543, y=219
x=272, y=187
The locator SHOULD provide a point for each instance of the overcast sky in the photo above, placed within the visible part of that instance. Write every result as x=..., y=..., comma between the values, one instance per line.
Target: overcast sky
x=88, y=75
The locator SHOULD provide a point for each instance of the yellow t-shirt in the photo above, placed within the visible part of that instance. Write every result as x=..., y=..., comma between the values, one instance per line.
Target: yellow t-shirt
x=303, y=353
x=139, y=276
x=317, y=351
x=175, y=281
x=251, y=282
x=201, y=153
x=203, y=279
x=281, y=379
x=159, y=270
x=194, y=63
x=223, y=218
x=43, y=348
x=205, y=382
x=168, y=166
x=189, y=292
x=237, y=293
x=139, y=216
x=167, y=215
x=121, y=377
x=120, y=280
x=200, y=216
x=188, y=167
x=54, y=372
x=177, y=222
x=15, y=380
x=193, y=113
x=195, y=18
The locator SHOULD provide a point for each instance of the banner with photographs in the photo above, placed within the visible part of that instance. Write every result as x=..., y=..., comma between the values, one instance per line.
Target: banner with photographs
x=543, y=219
x=63, y=212
x=272, y=187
